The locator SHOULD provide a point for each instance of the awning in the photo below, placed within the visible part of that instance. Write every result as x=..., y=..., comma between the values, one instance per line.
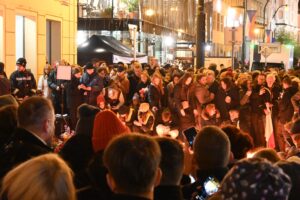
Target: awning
x=99, y=44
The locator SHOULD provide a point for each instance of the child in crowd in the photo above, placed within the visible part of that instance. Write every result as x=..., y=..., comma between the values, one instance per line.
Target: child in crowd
x=166, y=126
x=210, y=116
x=127, y=115
x=145, y=120
x=101, y=102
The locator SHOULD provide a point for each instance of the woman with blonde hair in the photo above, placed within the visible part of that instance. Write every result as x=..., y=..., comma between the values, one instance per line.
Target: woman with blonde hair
x=156, y=92
x=43, y=82
x=45, y=177
x=143, y=85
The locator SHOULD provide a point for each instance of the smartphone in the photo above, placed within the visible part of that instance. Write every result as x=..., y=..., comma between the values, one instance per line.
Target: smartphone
x=211, y=186
x=190, y=135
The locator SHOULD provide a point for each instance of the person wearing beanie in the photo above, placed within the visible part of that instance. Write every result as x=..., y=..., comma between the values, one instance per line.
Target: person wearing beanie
x=255, y=178
x=78, y=150
x=90, y=84
x=85, y=122
x=102, y=135
x=211, y=155
x=23, y=83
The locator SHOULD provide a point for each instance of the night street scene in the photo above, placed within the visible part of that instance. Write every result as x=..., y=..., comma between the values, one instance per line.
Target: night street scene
x=149, y=100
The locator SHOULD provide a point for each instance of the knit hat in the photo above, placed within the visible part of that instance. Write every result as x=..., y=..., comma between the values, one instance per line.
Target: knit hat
x=121, y=68
x=86, y=110
x=21, y=61
x=255, y=178
x=89, y=66
x=106, y=126
x=86, y=114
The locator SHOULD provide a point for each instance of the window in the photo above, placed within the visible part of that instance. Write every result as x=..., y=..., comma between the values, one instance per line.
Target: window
x=1, y=38
x=20, y=36
x=218, y=22
x=53, y=37
x=215, y=21
x=222, y=23
x=26, y=41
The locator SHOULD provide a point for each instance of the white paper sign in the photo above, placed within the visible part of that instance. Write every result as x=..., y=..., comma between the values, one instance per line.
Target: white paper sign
x=64, y=73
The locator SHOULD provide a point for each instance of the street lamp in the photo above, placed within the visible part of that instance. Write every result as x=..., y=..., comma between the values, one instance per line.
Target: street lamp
x=265, y=7
x=274, y=15
x=232, y=23
x=200, y=37
x=243, y=20
x=285, y=5
x=149, y=12
x=256, y=33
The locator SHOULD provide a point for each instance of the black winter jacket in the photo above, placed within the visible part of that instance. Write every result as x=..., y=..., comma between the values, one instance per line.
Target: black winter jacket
x=22, y=84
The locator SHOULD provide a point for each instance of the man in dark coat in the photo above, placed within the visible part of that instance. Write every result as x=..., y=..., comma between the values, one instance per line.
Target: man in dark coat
x=286, y=112
x=33, y=136
x=134, y=78
x=22, y=82
x=227, y=98
x=213, y=85
x=58, y=96
x=257, y=105
x=91, y=85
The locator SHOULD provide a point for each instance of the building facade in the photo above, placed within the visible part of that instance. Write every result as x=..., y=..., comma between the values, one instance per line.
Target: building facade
x=40, y=31
x=264, y=18
x=160, y=24
x=173, y=21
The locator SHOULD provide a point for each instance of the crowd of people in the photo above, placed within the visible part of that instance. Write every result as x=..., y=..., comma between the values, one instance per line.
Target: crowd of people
x=129, y=122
